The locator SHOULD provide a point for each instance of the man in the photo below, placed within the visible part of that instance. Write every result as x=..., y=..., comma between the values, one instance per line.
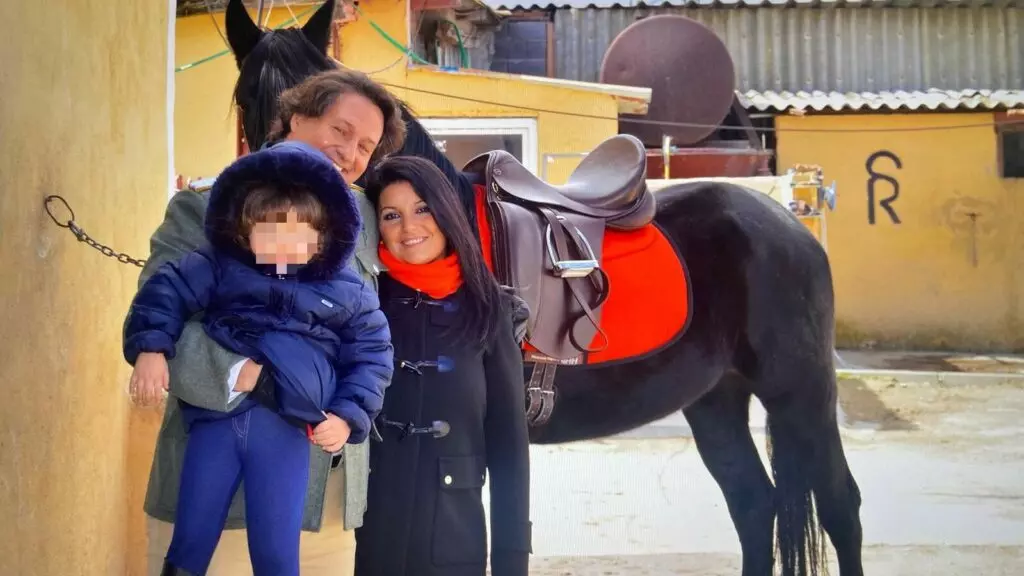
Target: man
x=354, y=121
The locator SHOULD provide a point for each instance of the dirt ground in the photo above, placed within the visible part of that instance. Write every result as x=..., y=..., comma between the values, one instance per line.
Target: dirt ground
x=878, y=561
x=940, y=468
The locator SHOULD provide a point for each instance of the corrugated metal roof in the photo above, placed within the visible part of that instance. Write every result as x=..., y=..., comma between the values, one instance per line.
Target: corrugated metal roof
x=842, y=49
x=941, y=100
x=579, y=4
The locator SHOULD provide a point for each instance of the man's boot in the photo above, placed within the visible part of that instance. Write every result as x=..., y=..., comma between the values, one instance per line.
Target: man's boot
x=172, y=570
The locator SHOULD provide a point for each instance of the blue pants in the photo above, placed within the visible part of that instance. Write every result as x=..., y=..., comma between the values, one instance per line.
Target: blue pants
x=272, y=457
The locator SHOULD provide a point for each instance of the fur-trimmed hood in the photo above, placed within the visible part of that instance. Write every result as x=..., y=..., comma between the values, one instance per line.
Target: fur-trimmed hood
x=287, y=163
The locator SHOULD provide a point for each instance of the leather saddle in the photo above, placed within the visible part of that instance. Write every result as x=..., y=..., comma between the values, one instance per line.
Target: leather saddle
x=546, y=241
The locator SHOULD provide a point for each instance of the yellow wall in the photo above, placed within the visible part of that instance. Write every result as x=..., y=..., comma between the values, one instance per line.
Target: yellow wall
x=205, y=125
x=83, y=115
x=933, y=281
x=204, y=114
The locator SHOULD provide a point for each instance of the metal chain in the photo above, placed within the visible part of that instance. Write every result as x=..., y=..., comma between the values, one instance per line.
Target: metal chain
x=70, y=224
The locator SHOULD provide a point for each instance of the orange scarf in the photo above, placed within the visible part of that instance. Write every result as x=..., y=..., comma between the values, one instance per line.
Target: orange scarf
x=436, y=279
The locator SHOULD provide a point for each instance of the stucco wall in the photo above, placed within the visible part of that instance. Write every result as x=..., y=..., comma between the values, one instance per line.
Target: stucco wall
x=205, y=122
x=204, y=112
x=935, y=279
x=83, y=115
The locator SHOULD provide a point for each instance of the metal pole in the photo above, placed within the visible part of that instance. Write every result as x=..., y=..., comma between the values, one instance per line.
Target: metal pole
x=259, y=13
x=666, y=155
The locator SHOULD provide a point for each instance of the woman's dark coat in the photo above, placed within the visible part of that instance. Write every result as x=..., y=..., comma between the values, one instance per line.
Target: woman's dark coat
x=424, y=514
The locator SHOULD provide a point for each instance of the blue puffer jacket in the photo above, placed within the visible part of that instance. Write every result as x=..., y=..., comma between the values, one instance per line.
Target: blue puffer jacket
x=319, y=331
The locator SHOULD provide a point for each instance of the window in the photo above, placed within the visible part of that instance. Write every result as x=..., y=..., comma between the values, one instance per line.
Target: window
x=1010, y=143
x=463, y=138
x=521, y=46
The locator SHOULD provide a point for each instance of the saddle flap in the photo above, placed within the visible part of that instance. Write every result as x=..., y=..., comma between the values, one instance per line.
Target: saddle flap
x=523, y=260
x=560, y=318
x=518, y=253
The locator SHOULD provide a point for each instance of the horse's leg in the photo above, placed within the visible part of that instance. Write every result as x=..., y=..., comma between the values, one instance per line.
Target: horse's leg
x=810, y=468
x=721, y=430
x=838, y=501
x=807, y=458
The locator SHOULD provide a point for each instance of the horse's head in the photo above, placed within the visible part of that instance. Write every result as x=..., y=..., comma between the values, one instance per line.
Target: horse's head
x=271, y=61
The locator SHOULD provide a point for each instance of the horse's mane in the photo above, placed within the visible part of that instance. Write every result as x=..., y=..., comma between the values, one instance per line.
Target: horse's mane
x=280, y=60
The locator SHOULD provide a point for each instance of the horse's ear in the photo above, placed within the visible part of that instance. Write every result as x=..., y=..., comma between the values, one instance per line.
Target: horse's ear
x=318, y=29
x=243, y=33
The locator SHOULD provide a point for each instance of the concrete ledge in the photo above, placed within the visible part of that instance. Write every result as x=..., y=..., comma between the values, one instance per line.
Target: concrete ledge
x=930, y=377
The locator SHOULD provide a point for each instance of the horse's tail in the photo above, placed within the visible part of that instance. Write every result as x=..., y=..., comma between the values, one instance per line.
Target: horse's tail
x=799, y=537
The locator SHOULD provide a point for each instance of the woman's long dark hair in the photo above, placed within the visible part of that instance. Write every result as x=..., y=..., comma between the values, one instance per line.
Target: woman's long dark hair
x=483, y=304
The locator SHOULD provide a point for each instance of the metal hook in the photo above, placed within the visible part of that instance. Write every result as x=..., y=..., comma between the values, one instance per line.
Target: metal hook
x=46, y=205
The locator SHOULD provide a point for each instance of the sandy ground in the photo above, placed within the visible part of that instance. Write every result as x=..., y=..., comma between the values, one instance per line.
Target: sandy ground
x=941, y=470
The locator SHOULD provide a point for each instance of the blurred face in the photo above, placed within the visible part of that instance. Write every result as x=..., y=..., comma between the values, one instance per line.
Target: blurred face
x=284, y=241
x=407, y=227
x=348, y=133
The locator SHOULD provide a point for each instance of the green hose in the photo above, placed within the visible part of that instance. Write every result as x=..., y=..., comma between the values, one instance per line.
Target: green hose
x=463, y=54
x=393, y=42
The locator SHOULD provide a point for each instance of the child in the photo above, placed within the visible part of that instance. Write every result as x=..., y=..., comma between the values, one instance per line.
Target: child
x=273, y=286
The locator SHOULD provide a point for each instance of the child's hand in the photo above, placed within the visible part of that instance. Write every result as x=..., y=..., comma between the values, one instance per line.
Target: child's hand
x=331, y=434
x=150, y=379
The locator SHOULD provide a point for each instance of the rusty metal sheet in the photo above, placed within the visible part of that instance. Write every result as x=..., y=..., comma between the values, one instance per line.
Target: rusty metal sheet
x=872, y=49
x=710, y=162
x=687, y=67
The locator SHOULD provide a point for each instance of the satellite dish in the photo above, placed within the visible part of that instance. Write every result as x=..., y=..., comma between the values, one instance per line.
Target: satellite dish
x=687, y=67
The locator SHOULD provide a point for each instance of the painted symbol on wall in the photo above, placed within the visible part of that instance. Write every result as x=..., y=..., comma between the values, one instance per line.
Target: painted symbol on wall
x=873, y=177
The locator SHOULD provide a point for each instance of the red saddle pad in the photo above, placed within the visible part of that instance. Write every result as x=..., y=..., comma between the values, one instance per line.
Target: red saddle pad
x=648, y=305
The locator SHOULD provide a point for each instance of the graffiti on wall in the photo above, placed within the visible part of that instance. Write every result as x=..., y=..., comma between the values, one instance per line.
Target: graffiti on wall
x=874, y=176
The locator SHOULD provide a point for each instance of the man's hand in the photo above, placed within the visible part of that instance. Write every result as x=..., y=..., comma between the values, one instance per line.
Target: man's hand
x=331, y=434
x=149, y=379
x=248, y=376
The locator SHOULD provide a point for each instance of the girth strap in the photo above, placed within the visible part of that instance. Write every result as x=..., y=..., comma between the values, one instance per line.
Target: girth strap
x=540, y=392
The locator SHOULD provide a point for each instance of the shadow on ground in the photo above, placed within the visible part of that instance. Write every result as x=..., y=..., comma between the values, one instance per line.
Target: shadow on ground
x=861, y=408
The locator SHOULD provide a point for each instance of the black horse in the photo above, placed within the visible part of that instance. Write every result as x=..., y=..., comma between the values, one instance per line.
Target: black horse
x=762, y=325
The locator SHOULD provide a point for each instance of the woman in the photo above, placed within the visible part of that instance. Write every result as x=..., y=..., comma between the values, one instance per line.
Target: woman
x=355, y=122
x=454, y=409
